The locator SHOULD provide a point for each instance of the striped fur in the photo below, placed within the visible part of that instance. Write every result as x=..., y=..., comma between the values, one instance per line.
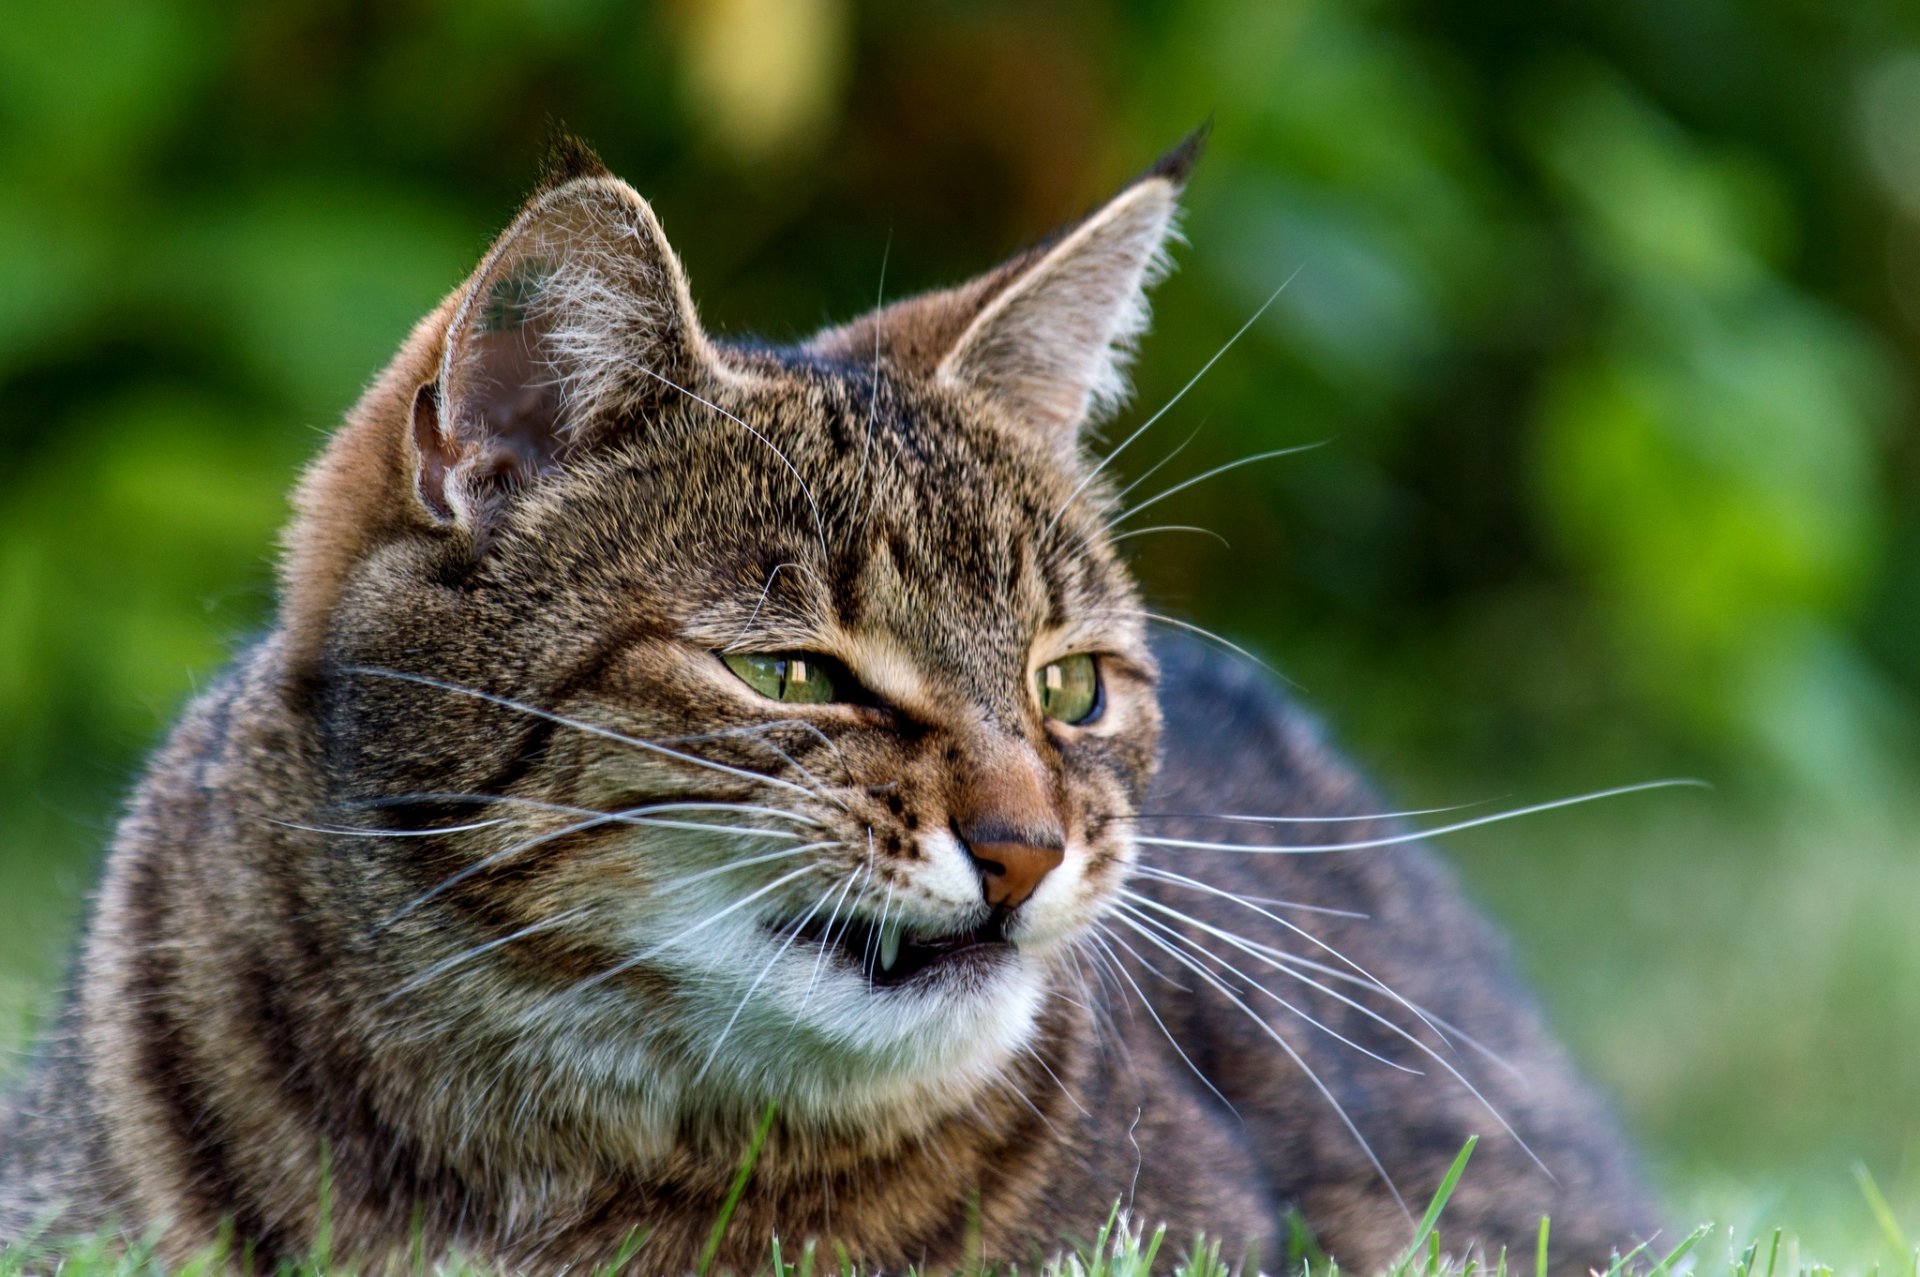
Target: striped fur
x=461, y=912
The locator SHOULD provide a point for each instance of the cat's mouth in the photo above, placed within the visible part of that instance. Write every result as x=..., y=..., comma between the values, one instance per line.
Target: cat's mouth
x=893, y=955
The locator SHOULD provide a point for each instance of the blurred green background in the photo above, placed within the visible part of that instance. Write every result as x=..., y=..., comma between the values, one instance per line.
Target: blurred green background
x=1609, y=311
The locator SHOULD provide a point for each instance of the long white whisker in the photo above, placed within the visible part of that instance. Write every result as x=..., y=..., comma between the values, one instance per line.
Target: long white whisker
x=1170, y=527
x=1210, y=636
x=1155, y=468
x=488, y=861
x=1362, y=818
x=628, y=964
x=1205, y=475
x=626, y=814
x=1283, y=962
x=1173, y=879
x=753, y=730
x=447, y=964
x=352, y=831
x=1167, y=407
x=593, y=820
x=1292, y=1054
x=1254, y=984
x=593, y=729
x=1419, y=834
x=826, y=937
x=879, y=931
x=793, y=933
x=785, y=853
x=1108, y=934
x=1028, y=1048
x=1194, y=884
x=758, y=604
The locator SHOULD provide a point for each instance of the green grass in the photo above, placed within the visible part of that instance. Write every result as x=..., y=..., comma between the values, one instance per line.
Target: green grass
x=1120, y=1248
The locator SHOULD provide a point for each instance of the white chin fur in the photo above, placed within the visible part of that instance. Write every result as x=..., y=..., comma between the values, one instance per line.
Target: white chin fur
x=816, y=1035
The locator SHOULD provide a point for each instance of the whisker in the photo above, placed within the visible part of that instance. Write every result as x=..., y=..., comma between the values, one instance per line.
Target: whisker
x=594, y=729
x=1362, y=818
x=354, y=831
x=753, y=729
x=1028, y=1048
x=628, y=964
x=1194, y=884
x=793, y=933
x=1254, y=984
x=1203, y=476
x=879, y=930
x=636, y=811
x=1207, y=634
x=758, y=604
x=1167, y=407
x=1170, y=527
x=1281, y=961
x=1292, y=1054
x=1156, y=467
x=826, y=936
x=1107, y=934
x=1172, y=879
x=447, y=964
x=487, y=862
x=1419, y=834
x=680, y=883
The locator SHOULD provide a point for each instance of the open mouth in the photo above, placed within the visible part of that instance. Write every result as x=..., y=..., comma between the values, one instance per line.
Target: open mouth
x=893, y=955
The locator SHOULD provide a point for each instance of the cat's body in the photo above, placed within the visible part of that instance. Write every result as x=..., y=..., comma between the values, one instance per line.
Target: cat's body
x=483, y=906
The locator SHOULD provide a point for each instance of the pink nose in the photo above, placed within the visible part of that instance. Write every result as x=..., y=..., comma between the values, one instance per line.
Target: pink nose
x=1010, y=870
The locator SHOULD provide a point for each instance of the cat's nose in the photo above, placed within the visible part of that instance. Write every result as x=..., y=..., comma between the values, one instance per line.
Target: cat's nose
x=1011, y=862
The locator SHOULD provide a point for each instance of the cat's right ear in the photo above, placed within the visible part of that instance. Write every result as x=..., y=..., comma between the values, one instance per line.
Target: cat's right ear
x=579, y=310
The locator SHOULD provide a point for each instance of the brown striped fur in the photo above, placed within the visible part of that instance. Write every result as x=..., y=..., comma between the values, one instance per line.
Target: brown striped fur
x=361, y=955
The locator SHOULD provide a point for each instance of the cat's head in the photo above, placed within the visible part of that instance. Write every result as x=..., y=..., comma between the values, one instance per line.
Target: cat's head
x=784, y=708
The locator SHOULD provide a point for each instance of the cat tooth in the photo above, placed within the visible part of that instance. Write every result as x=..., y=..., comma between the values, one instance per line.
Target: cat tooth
x=889, y=947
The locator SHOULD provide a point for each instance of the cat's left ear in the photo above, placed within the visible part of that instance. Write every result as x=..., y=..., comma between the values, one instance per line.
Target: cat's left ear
x=1050, y=334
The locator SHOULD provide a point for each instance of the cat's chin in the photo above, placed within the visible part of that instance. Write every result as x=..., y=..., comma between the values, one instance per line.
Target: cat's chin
x=836, y=1034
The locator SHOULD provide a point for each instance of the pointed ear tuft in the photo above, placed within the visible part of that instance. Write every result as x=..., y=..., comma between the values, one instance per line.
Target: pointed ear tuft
x=1053, y=344
x=1177, y=164
x=1049, y=334
x=578, y=302
x=569, y=158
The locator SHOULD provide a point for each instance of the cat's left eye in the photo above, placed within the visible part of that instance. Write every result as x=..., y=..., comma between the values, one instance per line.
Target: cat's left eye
x=1069, y=689
x=793, y=677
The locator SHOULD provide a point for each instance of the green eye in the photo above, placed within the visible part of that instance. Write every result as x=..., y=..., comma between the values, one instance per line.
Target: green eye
x=1069, y=689
x=793, y=677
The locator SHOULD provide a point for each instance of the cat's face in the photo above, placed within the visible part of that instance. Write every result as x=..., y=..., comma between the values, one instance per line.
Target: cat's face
x=788, y=709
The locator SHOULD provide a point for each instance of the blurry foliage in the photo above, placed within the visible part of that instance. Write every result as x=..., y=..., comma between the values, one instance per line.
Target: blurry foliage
x=1609, y=311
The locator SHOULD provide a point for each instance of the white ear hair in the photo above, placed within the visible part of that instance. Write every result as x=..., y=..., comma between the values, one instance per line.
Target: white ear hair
x=580, y=307
x=1053, y=346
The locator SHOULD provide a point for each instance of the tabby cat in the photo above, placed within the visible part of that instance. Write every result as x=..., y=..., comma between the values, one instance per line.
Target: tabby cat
x=660, y=732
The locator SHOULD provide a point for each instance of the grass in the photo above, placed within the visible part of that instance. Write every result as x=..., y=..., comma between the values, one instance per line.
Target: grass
x=1120, y=1248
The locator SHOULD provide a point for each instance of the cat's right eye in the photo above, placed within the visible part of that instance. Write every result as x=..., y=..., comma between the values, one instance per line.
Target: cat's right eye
x=793, y=677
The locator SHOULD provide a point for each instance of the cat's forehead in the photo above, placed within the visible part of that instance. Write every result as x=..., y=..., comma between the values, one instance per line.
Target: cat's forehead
x=839, y=499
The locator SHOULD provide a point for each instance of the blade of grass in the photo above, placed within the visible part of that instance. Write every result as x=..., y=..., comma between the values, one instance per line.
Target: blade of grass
x=734, y=1192
x=1882, y=1210
x=1679, y=1252
x=1438, y=1204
